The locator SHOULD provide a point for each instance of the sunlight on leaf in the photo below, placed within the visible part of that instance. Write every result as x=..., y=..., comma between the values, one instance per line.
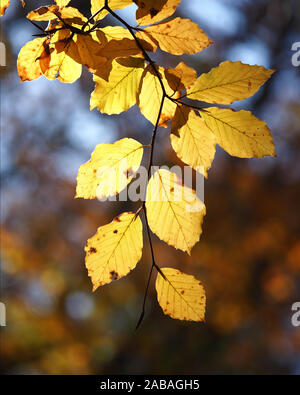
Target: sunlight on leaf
x=192, y=140
x=151, y=95
x=229, y=82
x=181, y=296
x=240, y=133
x=175, y=213
x=152, y=11
x=110, y=169
x=119, y=93
x=115, y=249
x=179, y=36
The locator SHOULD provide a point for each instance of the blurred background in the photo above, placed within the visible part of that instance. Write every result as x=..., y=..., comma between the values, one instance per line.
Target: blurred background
x=248, y=257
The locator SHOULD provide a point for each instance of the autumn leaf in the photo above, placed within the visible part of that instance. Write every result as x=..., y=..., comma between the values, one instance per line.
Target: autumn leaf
x=180, y=295
x=179, y=36
x=175, y=213
x=110, y=169
x=114, y=250
x=239, y=133
x=150, y=97
x=192, y=140
x=47, y=13
x=228, y=82
x=60, y=63
x=181, y=77
x=28, y=63
x=4, y=6
x=152, y=11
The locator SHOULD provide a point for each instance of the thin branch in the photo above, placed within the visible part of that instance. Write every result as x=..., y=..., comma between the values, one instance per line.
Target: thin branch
x=92, y=17
x=140, y=46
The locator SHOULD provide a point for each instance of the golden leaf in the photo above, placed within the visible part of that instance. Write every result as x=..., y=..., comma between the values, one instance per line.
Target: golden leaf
x=87, y=50
x=28, y=63
x=153, y=11
x=228, y=82
x=4, y=5
x=61, y=64
x=115, y=249
x=192, y=140
x=179, y=36
x=180, y=295
x=119, y=93
x=174, y=211
x=110, y=169
x=239, y=133
x=180, y=78
x=150, y=97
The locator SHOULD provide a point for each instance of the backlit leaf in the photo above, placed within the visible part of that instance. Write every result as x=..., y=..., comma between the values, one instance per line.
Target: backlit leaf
x=110, y=169
x=175, y=213
x=115, y=249
x=119, y=93
x=152, y=11
x=179, y=36
x=47, y=13
x=4, y=6
x=180, y=295
x=61, y=64
x=181, y=78
x=192, y=140
x=229, y=82
x=151, y=95
x=239, y=133
x=28, y=63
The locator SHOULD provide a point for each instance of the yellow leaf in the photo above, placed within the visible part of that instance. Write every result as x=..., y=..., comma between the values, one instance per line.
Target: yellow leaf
x=47, y=13
x=152, y=11
x=228, y=82
x=151, y=95
x=61, y=64
x=119, y=93
x=119, y=49
x=28, y=63
x=114, y=250
x=239, y=133
x=181, y=78
x=175, y=213
x=191, y=139
x=181, y=296
x=4, y=6
x=179, y=36
x=110, y=169
x=115, y=33
x=96, y=5
x=87, y=49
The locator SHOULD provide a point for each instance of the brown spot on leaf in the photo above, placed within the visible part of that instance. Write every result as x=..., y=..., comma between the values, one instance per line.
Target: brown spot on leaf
x=117, y=219
x=116, y=231
x=182, y=292
x=114, y=275
x=93, y=250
